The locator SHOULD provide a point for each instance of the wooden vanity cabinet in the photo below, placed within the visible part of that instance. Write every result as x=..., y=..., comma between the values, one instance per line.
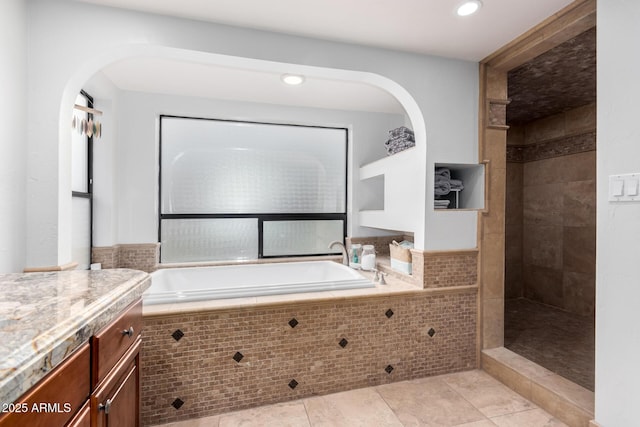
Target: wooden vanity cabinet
x=98, y=385
x=54, y=400
x=115, y=371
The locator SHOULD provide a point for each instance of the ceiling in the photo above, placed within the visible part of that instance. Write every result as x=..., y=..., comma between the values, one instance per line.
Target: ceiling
x=419, y=26
x=559, y=80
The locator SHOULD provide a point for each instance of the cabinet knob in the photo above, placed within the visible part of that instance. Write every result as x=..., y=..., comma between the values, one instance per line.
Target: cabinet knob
x=105, y=407
x=128, y=332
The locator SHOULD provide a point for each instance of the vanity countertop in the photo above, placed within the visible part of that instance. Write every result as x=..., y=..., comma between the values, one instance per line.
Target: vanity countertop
x=45, y=316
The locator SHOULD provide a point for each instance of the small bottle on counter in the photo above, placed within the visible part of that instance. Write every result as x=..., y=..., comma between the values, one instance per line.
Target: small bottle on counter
x=368, y=261
x=356, y=255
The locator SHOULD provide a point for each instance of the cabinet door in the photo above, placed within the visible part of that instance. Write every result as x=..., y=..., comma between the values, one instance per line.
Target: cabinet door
x=116, y=401
x=56, y=398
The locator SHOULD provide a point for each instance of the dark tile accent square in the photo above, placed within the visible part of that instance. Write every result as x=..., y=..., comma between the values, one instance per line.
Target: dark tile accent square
x=177, y=334
x=177, y=403
x=343, y=343
x=293, y=384
x=388, y=369
x=293, y=322
x=238, y=356
x=431, y=332
x=389, y=313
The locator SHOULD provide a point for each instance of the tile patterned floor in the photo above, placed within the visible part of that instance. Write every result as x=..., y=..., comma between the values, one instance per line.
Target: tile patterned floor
x=562, y=342
x=466, y=399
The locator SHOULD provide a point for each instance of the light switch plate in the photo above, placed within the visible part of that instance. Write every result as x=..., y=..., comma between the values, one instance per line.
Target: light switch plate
x=624, y=188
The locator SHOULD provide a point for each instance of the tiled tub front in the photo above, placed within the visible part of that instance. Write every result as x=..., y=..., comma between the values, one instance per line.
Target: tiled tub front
x=205, y=363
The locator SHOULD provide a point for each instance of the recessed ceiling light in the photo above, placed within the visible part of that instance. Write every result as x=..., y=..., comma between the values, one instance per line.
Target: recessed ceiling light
x=292, y=79
x=469, y=8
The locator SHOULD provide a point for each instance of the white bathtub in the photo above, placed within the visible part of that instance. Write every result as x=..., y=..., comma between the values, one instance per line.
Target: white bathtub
x=173, y=285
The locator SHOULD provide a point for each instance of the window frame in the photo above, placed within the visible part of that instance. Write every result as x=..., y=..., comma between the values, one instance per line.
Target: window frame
x=261, y=217
x=89, y=193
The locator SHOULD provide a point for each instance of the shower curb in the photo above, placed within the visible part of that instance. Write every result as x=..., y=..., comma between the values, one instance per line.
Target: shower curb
x=565, y=400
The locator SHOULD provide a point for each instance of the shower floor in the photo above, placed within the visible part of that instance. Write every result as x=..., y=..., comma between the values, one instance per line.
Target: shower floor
x=560, y=341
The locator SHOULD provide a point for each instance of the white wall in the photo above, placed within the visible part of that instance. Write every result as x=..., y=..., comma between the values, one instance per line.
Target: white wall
x=60, y=63
x=618, y=225
x=13, y=139
x=106, y=98
x=136, y=164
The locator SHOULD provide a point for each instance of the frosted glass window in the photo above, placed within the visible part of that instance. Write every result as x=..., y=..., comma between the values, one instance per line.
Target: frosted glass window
x=81, y=232
x=301, y=237
x=211, y=239
x=79, y=153
x=212, y=166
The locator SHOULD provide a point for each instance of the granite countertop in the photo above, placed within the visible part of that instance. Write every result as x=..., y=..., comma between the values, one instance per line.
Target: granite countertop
x=45, y=316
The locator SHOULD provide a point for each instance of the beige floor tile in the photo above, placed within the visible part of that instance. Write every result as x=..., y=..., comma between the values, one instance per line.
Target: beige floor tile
x=363, y=407
x=488, y=395
x=483, y=423
x=290, y=414
x=428, y=402
x=200, y=422
x=530, y=418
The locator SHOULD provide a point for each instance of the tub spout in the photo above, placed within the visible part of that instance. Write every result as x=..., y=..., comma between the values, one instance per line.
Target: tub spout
x=345, y=255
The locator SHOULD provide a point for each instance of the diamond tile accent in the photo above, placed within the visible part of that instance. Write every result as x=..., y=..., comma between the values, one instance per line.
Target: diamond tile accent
x=389, y=313
x=177, y=335
x=431, y=332
x=388, y=369
x=343, y=343
x=293, y=384
x=238, y=356
x=293, y=322
x=177, y=403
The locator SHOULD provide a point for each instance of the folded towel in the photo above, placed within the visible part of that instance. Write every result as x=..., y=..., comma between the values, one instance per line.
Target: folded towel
x=456, y=184
x=442, y=188
x=402, y=130
x=441, y=204
x=443, y=172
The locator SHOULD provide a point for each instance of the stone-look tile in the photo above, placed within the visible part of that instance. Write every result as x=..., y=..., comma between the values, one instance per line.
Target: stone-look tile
x=579, y=290
x=492, y=322
x=530, y=418
x=515, y=135
x=513, y=280
x=579, y=249
x=497, y=188
x=198, y=422
x=578, y=167
x=428, y=402
x=551, y=127
x=543, y=285
x=291, y=414
x=201, y=370
x=571, y=391
x=560, y=408
x=363, y=407
x=559, y=341
x=488, y=395
x=482, y=423
x=542, y=172
x=514, y=194
x=513, y=242
x=543, y=204
x=579, y=204
x=493, y=260
x=512, y=378
x=450, y=269
x=542, y=246
x=581, y=119
x=495, y=148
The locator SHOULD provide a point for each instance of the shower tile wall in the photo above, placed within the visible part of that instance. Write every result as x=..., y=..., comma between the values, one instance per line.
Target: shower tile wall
x=551, y=189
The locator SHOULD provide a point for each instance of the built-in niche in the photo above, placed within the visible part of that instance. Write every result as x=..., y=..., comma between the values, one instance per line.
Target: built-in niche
x=458, y=186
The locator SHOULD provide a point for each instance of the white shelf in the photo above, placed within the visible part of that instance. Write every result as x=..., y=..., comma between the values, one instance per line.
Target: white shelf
x=401, y=194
